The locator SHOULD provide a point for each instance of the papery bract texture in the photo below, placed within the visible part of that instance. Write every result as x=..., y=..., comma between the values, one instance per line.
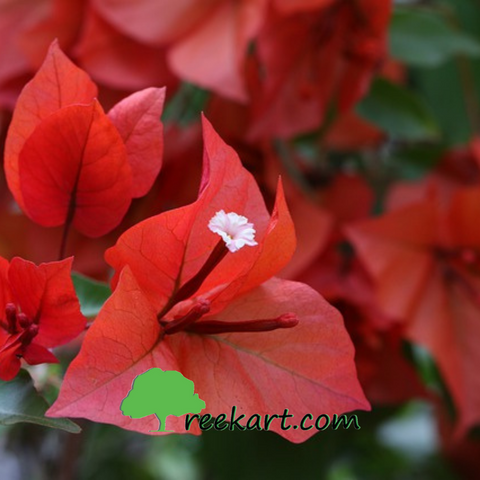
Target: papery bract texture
x=57, y=84
x=67, y=162
x=74, y=169
x=244, y=338
x=137, y=118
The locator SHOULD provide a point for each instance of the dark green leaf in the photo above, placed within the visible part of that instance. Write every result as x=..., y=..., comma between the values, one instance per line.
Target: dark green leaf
x=424, y=38
x=92, y=294
x=397, y=111
x=20, y=402
x=414, y=162
x=186, y=105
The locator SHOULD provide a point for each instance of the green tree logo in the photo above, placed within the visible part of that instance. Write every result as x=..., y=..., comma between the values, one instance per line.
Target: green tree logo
x=160, y=393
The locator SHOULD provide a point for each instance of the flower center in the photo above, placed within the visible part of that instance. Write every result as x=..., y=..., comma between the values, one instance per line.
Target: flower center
x=236, y=232
x=19, y=326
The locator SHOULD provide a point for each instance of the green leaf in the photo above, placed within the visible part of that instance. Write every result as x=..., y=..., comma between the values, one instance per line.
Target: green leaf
x=186, y=105
x=414, y=162
x=397, y=111
x=424, y=38
x=436, y=86
x=91, y=293
x=20, y=403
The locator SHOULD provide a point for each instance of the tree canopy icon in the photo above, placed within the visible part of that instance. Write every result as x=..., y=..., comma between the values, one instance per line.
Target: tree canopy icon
x=161, y=393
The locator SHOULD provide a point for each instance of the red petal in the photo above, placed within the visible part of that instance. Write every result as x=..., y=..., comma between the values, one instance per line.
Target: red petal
x=5, y=294
x=46, y=293
x=307, y=369
x=74, y=168
x=119, y=61
x=226, y=34
x=9, y=362
x=57, y=84
x=379, y=245
x=137, y=118
x=36, y=354
x=121, y=344
x=154, y=22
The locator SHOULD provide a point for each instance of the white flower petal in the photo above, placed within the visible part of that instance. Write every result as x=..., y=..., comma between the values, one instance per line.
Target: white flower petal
x=234, y=229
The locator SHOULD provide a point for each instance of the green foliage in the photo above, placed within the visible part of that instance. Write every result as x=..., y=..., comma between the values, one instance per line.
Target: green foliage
x=91, y=294
x=422, y=37
x=413, y=162
x=20, y=402
x=185, y=106
x=331, y=455
x=452, y=90
x=398, y=111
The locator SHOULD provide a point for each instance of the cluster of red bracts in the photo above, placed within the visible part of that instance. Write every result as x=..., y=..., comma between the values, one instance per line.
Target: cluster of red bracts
x=18, y=344
x=39, y=311
x=181, y=301
x=212, y=309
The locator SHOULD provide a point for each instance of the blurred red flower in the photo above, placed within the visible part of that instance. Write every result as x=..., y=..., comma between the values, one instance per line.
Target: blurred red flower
x=38, y=310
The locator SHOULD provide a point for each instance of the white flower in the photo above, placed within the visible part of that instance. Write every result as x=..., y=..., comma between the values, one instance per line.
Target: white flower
x=234, y=229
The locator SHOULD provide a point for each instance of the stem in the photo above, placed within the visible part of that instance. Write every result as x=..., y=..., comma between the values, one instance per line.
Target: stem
x=212, y=327
x=472, y=104
x=161, y=423
x=73, y=198
x=198, y=310
x=63, y=244
x=191, y=287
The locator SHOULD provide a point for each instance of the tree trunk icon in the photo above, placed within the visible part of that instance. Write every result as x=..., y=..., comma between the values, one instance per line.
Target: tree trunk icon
x=161, y=393
x=161, y=421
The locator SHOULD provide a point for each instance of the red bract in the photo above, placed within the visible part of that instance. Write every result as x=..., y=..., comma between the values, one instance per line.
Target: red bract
x=154, y=22
x=184, y=302
x=137, y=119
x=27, y=29
x=213, y=55
x=38, y=310
x=207, y=39
x=424, y=260
x=119, y=61
x=320, y=56
x=88, y=190
x=67, y=162
x=57, y=84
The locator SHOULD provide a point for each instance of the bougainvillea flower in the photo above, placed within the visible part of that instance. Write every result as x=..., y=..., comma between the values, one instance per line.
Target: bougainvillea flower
x=119, y=61
x=67, y=162
x=313, y=60
x=386, y=376
x=424, y=260
x=327, y=263
x=384, y=373
x=184, y=301
x=38, y=310
x=154, y=22
x=207, y=39
x=213, y=54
